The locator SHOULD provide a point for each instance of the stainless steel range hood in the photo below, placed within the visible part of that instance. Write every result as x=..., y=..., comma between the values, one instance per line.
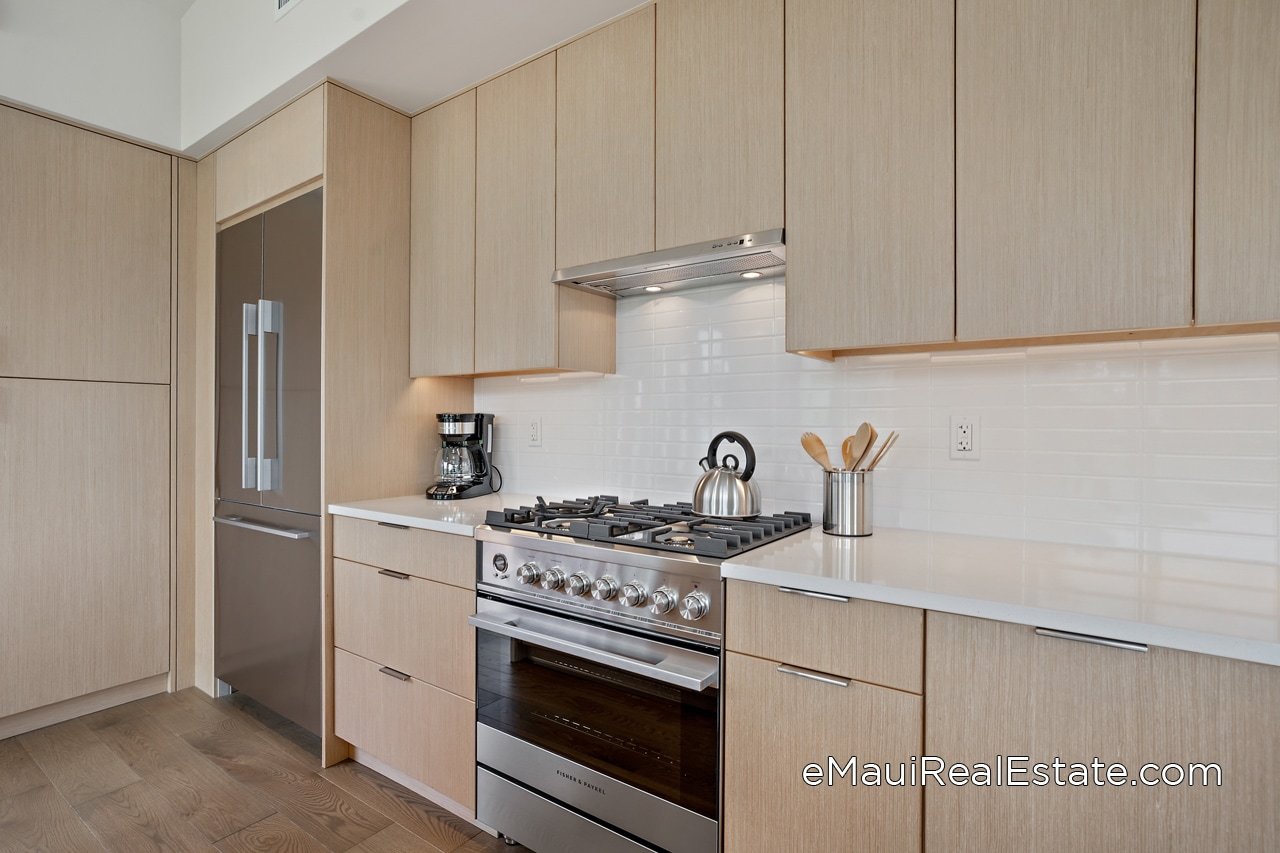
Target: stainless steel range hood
x=734, y=259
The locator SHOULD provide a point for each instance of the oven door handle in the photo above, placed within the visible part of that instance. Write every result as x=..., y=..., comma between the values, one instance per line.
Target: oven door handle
x=676, y=666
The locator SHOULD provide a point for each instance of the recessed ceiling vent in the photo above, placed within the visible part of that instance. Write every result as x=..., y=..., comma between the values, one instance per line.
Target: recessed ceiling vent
x=284, y=6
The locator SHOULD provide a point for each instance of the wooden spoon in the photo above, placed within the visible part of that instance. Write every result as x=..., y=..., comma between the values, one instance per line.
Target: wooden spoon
x=884, y=448
x=856, y=446
x=816, y=449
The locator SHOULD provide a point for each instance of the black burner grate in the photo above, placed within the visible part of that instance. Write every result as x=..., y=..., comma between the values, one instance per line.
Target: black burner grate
x=664, y=527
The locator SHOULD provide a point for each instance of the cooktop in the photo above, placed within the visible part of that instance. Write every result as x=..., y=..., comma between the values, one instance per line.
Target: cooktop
x=664, y=527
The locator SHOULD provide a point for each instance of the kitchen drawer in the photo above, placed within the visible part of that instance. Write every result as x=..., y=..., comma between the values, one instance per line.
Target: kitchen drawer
x=866, y=640
x=444, y=557
x=777, y=720
x=422, y=731
x=413, y=625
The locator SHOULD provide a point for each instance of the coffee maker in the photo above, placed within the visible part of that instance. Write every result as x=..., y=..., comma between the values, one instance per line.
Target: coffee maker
x=464, y=465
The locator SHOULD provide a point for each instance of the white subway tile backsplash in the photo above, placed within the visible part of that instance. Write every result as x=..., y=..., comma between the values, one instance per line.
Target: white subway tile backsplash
x=1170, y=445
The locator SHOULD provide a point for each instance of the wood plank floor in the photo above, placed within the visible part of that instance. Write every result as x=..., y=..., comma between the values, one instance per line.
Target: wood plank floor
x=182, y=771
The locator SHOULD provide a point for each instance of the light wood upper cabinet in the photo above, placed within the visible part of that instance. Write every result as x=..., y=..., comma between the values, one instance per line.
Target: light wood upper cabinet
x=1074, y=166
x=776, y=723
x=84, y=534
x=526, y=323
x=281, y=153
x=1238, y=162
x=870, y=172
x=84, y=254
x=719, y=165
x=516, y=218
x=604, y=143
x=999, y=689
x=443, y=268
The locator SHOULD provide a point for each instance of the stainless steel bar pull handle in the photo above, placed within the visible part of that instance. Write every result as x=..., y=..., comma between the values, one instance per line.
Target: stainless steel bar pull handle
x=814, y=676
x=249, y=466
x=270, y=321
x=1091, y=639
x=283, y=532
x=825, y=596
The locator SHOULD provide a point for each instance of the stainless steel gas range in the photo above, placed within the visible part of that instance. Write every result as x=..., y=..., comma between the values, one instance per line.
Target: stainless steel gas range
x=598, y=672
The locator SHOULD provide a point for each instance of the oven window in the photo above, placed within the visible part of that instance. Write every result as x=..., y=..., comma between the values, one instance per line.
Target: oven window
x=659, y=738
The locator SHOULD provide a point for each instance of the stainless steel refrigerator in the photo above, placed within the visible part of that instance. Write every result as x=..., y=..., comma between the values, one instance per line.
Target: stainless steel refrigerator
x=267, y=559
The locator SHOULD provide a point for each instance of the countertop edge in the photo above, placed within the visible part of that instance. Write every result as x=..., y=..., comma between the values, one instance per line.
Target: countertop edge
x=452, y=527
x=1182, y=639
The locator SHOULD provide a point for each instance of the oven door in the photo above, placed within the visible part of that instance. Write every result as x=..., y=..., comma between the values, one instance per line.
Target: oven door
x=622, y=728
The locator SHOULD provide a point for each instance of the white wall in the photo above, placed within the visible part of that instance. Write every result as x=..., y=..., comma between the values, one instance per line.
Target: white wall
x=113, y=65
x=1172, y=446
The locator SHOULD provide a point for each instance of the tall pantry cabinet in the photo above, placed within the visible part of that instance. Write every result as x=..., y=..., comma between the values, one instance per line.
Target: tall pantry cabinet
x=87, y=265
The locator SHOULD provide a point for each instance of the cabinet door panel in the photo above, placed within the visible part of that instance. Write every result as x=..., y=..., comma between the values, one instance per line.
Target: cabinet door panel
x=84, y=254
x=775, y=724
x=604, y=143
x=84, y=538
x=999, y=689
x=1073, y=166
x=515, y=219
x=443, y=271
x=870, y=173
x=1238, y=162
x=719, y=119
x=251, y=168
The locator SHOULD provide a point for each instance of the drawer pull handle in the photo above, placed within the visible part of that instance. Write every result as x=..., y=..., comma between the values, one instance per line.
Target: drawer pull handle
x=400, y=576
x=393, y=526
x=825, y=596
x=394, y=673
x=814, y=676
x=1089, y=638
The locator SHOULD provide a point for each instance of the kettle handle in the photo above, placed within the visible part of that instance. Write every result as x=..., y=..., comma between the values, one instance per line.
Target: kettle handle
x=739, y=439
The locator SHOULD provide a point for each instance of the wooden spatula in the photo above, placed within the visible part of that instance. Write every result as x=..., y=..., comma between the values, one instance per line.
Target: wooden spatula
x=814, y=446
x=855, y=447
x=884, y=448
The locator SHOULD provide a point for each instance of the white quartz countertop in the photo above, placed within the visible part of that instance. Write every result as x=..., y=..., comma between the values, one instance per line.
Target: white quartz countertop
x=459, y=517
x=1217, y=607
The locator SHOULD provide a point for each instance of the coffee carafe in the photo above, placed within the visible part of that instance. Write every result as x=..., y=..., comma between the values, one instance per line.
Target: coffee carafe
x=464, y=463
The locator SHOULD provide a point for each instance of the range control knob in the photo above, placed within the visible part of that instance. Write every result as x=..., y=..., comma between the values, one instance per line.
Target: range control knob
x=553, y=579
x=664, y=601
x=604, y=589
x=694, y=606
x=528, y=573
x=578, y=584
x=499, y=565
x=634, y=595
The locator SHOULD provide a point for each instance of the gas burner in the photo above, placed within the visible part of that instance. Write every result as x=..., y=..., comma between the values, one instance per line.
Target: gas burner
x=664, y=527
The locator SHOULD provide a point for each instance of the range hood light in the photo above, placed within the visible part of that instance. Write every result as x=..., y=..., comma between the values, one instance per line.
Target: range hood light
x=653, y=288
x=752, y=274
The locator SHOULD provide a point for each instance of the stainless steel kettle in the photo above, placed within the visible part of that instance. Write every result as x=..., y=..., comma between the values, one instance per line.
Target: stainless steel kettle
x=723, y=491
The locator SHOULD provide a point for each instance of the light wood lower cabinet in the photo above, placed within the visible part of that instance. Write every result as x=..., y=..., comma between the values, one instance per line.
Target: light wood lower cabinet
x=419, y=729
x=409, y=624
x=404, y=653
x=777, y=723
x=996, y=689
x=866, y=640
x=441, y=557
x=84, y=538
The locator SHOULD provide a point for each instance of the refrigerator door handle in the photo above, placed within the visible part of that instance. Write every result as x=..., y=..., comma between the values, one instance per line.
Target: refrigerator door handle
x=270, y=321
x=249, y=463
x=237, y=521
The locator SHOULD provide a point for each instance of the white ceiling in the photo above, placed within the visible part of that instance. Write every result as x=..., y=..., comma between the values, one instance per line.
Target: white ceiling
x=412, y=53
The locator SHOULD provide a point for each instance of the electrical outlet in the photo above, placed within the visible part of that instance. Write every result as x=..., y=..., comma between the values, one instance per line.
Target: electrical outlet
x=964, y=438
x=535, y=432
